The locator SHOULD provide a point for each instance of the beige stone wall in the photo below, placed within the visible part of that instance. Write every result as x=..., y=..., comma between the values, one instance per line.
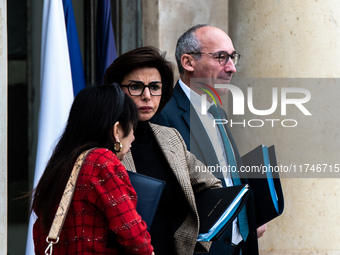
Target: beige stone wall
x=3, y=128
x=171, y=18
x=295, y=39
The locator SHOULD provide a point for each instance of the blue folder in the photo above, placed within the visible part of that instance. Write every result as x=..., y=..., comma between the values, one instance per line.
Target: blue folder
x=149, y=191
x=265, y=184
x=217, y=209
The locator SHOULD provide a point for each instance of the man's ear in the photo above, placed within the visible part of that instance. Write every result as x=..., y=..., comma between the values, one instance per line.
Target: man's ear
x=188, y=62
x=115, y=131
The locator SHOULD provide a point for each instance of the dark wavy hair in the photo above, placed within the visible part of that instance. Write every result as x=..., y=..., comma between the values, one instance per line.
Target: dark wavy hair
x=93, y=114
x=146, y=56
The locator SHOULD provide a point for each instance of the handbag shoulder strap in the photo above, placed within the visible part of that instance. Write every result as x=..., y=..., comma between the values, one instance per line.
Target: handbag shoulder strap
x=64, y=205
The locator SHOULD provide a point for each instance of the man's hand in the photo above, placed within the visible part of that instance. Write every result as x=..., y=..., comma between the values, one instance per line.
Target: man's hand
x=261, y=230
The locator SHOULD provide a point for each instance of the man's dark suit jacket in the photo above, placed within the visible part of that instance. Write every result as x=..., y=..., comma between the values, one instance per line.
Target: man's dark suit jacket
x=179, y=113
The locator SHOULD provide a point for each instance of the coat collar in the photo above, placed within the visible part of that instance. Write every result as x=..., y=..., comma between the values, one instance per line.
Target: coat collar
x=163, y=139
x=181, y=99
x=195, y=126
x=173, y=150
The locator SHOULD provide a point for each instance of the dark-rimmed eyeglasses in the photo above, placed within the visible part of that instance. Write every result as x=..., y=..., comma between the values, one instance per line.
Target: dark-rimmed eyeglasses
x=136, y=88
x=223, y=57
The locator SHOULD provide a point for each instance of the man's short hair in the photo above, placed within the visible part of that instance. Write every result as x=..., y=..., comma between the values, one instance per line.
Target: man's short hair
x=188, y=42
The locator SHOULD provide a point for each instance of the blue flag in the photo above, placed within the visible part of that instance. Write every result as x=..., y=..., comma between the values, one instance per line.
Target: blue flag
x=106, y=47
x=78, y=76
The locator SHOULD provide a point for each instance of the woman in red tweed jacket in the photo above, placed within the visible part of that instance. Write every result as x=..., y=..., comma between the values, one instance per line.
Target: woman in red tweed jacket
x=102, y=218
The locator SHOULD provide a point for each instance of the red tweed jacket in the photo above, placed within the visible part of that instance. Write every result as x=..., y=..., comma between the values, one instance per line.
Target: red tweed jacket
x=102, y=218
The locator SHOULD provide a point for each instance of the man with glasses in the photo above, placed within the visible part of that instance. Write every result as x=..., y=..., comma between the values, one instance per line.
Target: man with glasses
x=206, y=56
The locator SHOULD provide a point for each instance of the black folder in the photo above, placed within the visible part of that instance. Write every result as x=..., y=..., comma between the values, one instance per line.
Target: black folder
x=266, y=185
x=149, y=191
x=217, y=209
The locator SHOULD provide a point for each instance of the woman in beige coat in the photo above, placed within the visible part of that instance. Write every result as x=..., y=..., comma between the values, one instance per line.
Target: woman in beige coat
x=160, y=152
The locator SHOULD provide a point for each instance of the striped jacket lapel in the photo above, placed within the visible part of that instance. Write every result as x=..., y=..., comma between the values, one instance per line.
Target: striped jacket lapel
x=172, y=147
x=129, y=163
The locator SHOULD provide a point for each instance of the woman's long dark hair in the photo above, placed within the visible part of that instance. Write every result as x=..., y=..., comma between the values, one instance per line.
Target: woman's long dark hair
x=93, y=114
x=146, y=56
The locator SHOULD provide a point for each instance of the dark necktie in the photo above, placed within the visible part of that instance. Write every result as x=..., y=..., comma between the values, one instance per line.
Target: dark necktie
x=242, y=217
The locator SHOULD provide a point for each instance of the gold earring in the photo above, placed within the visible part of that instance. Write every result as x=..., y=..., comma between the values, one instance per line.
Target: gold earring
x=119, y=145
